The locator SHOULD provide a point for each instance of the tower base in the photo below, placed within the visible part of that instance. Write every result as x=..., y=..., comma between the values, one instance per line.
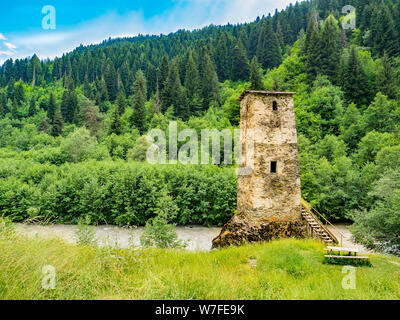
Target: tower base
x=243, y=229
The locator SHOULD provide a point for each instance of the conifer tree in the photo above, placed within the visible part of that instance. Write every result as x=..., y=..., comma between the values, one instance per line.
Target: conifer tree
x=240, y=64
x=86, y=88
x=51, y=107
x=111, y=79
x=386, y=78
x=64, y=108
x=33, y=70
x=279, y=34
x=255, y=76
x=2, y=106
x=44, y=124
x=173, y=94
x=191, y=76
x=58, y=124
x=311, y=50
x=209, y=82
x=11, y=89
x=121, y=103
x=69, y=106
x=268, y=51
x=32, y=107
x=138, y=102
x=125, y=74
x=222, y=61
x=164, y=71
x=330, y=42
x=102, y=94
x=384, y=34
x=192, y=86
x=19, y=93
x=253, y=40
x=157, y=99
x=14, y=109
x=116, y=126
x=354, y=80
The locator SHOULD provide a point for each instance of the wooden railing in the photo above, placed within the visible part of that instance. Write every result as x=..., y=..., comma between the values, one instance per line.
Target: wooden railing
x=319, y=216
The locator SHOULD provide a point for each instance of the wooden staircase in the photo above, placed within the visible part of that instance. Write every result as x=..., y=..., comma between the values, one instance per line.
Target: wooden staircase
x=316, y=228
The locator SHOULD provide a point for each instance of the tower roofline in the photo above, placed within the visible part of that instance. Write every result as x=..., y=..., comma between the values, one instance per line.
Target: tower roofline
x=263, y=92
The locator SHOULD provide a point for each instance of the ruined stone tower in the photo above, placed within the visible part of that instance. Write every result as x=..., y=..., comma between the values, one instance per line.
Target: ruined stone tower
x=269, y=196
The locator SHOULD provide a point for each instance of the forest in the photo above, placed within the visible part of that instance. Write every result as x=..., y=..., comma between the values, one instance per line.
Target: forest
x=72, y=129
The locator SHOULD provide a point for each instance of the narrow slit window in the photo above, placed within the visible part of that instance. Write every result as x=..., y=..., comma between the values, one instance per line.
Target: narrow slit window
x=275, y=106
x=273, y=166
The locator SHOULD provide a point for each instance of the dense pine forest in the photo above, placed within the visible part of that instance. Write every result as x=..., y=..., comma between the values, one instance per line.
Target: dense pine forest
x=72, y=129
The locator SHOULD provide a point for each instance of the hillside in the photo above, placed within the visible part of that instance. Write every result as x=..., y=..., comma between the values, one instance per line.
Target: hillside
x=71, y=129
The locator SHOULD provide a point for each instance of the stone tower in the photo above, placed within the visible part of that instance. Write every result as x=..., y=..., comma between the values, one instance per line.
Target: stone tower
x=269, y=196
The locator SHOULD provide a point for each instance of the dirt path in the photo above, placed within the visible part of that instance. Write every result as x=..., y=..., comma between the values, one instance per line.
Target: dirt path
x=342, y=231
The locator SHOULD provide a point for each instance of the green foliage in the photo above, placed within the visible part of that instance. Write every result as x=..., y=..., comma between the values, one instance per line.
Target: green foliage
x=138, y=103
x=116, y=126
x=311, y=49
x=69, y=105
x=379, y=227
x=139, y=151
x=173, y=93
x=382, y=115
x=80, y=145
x=240, y=64
x=331, y=48
x=115, y=192
x=354, y=79
x=85, y=234
x=51, y=107
x=268, y=51
x=158, y=232
x=255, y=75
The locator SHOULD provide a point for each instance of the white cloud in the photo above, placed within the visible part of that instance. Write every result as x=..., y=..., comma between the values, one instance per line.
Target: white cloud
x=10, y=45
x=6, y=53
x=186, y=14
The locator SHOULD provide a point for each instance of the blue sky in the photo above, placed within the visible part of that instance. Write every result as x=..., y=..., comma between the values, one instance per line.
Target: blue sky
x=89, y=22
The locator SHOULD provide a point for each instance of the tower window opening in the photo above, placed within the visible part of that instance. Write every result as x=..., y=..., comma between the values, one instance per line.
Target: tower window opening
x=273, y=166
x=275, y=106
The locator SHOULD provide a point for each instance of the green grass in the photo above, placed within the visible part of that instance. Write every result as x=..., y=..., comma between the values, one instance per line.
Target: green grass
x=286, y=269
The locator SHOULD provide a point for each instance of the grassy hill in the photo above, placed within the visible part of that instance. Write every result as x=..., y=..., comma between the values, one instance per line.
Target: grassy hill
x=285, y=269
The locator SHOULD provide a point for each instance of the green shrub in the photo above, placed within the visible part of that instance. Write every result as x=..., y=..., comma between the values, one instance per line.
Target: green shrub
x=379, y=227
x=85, y=234
x=158, y=232
x=139, y=151
x=115, y=192
x=80, y=146
x=52, y=155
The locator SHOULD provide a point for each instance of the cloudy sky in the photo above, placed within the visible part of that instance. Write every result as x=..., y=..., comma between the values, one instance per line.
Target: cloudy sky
x=89, y=22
